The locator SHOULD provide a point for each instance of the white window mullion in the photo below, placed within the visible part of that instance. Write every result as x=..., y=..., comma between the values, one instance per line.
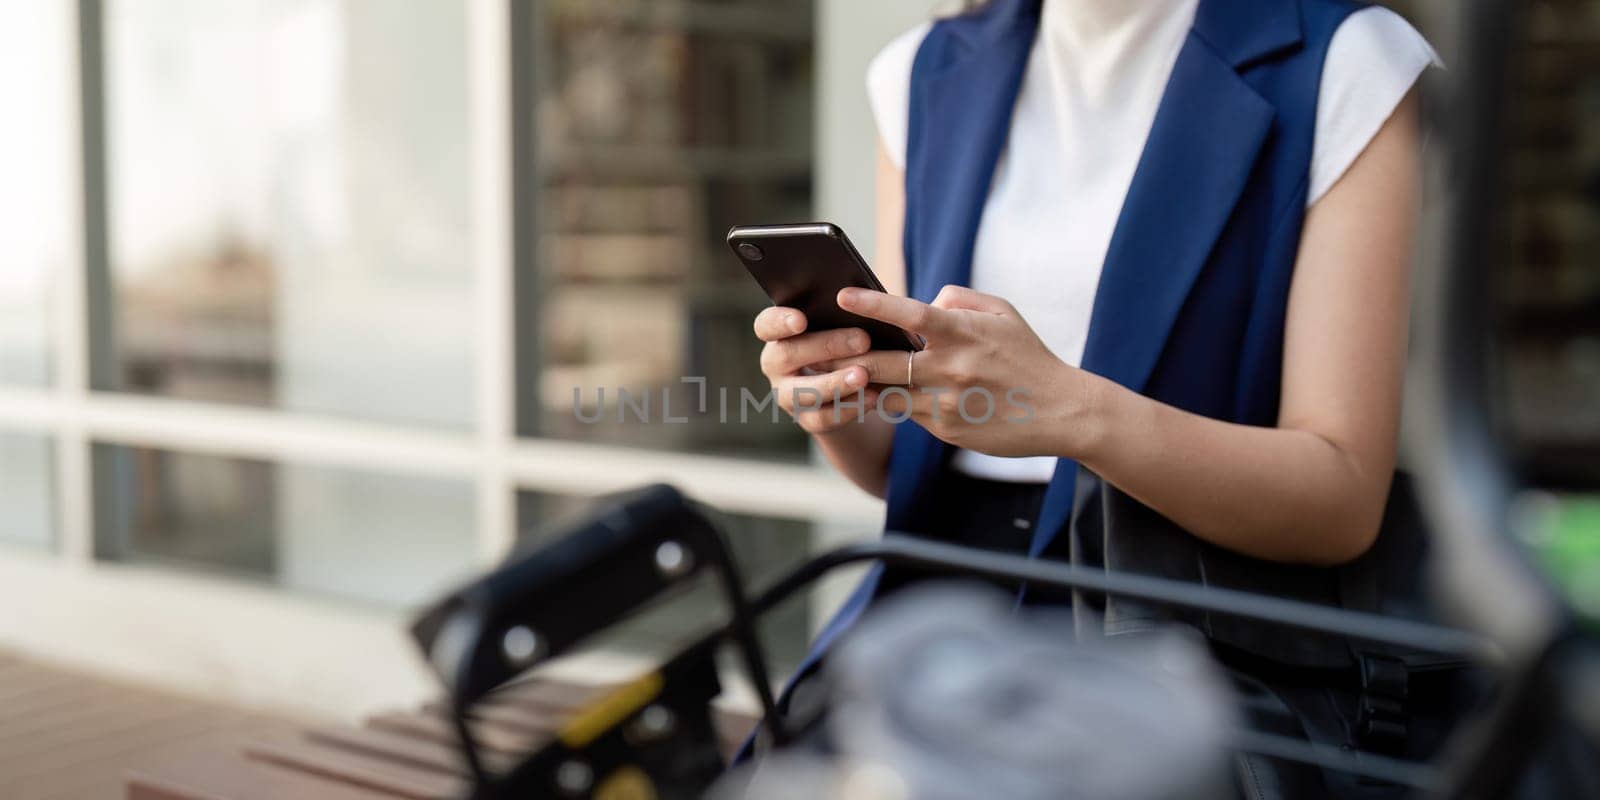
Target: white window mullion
x=74, y=488
x=736, y=485
x=489, y=74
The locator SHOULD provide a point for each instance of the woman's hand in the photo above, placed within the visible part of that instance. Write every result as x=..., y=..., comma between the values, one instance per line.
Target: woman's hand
x=820, y=400
x=985, y=381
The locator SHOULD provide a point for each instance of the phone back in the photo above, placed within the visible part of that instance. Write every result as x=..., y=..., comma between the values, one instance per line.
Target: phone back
x=804, y=267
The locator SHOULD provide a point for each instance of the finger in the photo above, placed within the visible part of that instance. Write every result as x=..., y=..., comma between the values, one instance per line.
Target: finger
x=899, y=311
x=905, y=403
x=777, y=322
x=832, y=416
x=788, y=356
x=886, y=367
x=952, y=296
x=812, y=392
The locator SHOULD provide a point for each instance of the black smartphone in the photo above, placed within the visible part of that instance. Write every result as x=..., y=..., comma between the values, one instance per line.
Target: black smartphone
x=804, y=267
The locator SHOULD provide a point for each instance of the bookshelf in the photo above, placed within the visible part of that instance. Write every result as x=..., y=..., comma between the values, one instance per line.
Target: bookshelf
x=660, y=125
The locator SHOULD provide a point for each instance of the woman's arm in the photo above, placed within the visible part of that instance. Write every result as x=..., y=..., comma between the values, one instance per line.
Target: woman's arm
x=1312, y=489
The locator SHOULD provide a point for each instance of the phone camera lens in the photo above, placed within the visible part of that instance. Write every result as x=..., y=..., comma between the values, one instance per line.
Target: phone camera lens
x=750, y=252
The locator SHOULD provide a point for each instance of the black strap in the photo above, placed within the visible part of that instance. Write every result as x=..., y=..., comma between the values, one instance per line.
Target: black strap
x=1383, y=718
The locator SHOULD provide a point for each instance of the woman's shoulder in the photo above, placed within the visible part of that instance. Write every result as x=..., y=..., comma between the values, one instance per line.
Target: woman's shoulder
x=1359, y=20
x=1374, y=59
x=1381, y=33
x=889, y=89
x=890, y=70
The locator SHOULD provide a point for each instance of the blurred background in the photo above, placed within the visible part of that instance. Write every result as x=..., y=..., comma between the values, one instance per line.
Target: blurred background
x=295, y=296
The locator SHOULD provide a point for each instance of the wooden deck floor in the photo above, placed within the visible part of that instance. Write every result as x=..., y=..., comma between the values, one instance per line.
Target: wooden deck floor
x=65, y=735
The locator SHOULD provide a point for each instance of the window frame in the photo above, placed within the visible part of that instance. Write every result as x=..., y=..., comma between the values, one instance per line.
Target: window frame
x=275, y=657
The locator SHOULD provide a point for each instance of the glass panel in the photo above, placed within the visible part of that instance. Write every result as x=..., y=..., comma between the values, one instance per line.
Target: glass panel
x=762, y=547
x=659, y=126
x=388, y=539
x=26, y=510
x=288, y=211
x=1548, y=320
x=38, y=148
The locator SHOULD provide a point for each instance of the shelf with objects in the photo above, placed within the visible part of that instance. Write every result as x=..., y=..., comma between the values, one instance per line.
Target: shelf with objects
x=657, y=127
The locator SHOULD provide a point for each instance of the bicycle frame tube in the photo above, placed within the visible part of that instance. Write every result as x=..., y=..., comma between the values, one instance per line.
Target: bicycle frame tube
x=904, y=551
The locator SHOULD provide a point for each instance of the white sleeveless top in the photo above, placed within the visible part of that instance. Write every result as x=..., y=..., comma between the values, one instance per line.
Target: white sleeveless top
x=1088, y=98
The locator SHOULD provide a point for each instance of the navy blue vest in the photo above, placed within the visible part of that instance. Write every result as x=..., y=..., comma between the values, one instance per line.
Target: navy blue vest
x=1191, y=302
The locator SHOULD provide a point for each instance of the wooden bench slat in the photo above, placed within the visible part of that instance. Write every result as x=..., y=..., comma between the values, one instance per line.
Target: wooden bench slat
x=210, y=775
x=421, y=753
x=522, y=718
x=68, y=728
x=396, y=755
x=359, y=770
x=39, y=698
x=82, y=745
x=439, y=729
x=100, y=773
x=18, y=681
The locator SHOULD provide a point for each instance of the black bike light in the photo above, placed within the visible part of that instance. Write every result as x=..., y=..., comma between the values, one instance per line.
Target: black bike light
x=539, y=605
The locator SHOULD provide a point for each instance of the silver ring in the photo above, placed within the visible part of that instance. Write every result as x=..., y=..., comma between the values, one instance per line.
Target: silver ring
x=911, y=358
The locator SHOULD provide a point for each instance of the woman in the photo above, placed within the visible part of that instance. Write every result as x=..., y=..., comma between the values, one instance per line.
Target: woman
x=1181, y=230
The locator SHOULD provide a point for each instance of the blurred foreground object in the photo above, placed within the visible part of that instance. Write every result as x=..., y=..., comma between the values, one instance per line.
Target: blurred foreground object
x=932, y=691
x=945, y=693
x=1564, y=535
x=1529, y=601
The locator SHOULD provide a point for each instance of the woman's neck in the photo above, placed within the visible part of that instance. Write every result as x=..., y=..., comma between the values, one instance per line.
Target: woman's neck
x=1080, y=20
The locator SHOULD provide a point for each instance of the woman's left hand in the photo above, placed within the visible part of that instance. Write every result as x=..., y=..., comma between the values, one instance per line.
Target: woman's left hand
x=984, y=382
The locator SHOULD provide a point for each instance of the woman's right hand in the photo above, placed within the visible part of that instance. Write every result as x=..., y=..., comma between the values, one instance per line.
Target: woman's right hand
x=791, y=361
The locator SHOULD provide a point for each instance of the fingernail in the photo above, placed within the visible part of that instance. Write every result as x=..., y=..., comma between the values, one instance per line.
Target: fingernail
x=847, y=297
x=856, y=377
x=793, y=321
x=858, y=342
